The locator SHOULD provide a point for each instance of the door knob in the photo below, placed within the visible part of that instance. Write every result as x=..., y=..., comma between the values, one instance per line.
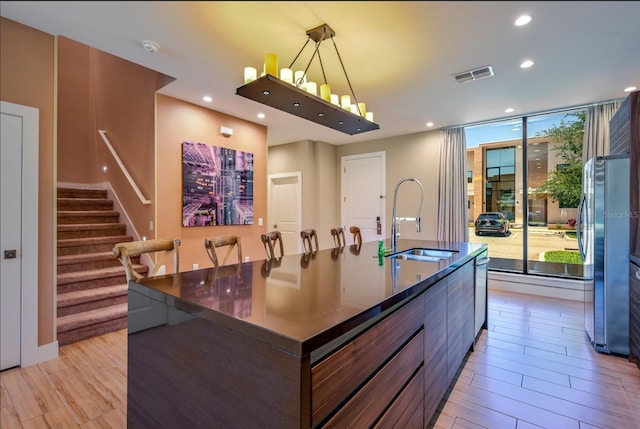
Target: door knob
x=10, y=254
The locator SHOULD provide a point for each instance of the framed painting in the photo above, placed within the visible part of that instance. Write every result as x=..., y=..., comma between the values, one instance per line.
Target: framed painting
x=217, y=185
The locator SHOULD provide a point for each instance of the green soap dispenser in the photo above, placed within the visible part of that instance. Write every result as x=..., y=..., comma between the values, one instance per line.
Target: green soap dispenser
x=380, y=252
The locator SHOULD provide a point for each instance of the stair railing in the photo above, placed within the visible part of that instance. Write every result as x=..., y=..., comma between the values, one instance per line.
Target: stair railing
x=133, y=184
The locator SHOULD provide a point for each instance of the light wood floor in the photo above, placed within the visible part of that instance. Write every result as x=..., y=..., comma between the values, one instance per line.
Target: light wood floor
x=533, y=368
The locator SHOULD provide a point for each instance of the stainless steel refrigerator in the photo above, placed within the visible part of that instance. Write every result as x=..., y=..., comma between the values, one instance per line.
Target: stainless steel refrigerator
x=603, y=240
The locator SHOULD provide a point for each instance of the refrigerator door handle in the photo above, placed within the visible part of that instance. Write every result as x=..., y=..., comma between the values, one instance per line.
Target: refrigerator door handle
x=579, y=227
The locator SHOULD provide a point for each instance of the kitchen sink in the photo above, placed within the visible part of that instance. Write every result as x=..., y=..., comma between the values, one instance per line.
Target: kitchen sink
x=420, y=254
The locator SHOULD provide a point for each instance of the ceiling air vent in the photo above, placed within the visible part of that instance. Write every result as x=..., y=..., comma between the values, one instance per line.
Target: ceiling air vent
x=476, y=74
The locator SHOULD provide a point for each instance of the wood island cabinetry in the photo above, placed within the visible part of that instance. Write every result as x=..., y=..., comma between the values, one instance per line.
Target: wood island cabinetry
x=387, y=364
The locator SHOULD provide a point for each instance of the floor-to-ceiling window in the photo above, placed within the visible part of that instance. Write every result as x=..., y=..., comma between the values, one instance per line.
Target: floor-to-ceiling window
x=525, y=168
x=554, y=177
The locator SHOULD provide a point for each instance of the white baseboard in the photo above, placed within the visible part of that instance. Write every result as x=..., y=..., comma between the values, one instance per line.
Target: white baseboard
x=537, y=285
x=48, y=352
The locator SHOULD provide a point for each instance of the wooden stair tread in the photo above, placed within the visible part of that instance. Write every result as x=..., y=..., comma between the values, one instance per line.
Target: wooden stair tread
x=78, y=276
x=92, y=317
x=67, y=192
x=84, y=257
x=76, y=213
x=83, y=226
x=87, y=295
x=84, y=199
x=89, y=240
x=91, y=283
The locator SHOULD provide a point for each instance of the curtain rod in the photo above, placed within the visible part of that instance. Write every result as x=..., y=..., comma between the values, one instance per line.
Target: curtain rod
x=544, y=112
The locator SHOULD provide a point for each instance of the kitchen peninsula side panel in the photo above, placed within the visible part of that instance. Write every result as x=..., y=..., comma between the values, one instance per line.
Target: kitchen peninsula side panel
x=191, y=372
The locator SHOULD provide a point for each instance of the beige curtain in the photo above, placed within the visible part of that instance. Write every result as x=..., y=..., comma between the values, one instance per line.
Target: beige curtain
x=596, y=129
x=452, y=186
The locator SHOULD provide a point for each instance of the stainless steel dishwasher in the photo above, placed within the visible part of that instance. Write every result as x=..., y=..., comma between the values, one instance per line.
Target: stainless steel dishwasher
x=482, y=272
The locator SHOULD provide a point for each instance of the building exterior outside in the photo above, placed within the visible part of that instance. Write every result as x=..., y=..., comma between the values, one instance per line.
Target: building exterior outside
x=494, y=182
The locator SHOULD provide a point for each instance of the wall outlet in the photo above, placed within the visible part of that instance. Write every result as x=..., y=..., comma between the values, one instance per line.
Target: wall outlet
x=195, y=266
x=150, y=225
x=246, y=259
x=260, y=221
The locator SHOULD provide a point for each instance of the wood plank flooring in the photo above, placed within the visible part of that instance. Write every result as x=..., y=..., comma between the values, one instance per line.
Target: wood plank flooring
x=533, y=368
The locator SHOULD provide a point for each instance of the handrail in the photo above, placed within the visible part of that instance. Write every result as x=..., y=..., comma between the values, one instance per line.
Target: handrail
x=103, y=134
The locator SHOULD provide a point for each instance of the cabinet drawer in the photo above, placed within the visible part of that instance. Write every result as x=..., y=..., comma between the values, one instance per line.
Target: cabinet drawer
x=335, y=378
x=406, y=412
x=366, y=406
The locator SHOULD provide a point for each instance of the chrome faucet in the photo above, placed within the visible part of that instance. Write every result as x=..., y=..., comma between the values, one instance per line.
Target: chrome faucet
x=394, y=221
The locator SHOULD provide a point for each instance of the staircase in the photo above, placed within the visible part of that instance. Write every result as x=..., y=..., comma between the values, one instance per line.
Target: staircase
x=91, y=282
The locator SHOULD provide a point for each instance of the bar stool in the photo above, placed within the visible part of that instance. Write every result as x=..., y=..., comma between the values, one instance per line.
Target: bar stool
x=339, y=239
x=270, y=240
x=132, y=249
x=231, y=241
x=357, y=236
x=307, y=236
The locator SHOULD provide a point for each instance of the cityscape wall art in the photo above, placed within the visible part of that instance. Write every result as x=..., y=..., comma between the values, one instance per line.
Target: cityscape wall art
x=217, y=185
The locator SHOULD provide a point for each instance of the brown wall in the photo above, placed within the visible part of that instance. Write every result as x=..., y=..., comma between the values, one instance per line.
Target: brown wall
x=98, y=91
x=27, y=76
x=179, y=121
x=318, y=164
x=412, y=155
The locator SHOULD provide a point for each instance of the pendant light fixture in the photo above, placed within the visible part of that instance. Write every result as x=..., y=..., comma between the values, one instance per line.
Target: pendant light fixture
x=291, y=91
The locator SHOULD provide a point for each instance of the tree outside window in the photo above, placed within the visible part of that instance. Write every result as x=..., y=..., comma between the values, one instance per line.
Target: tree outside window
x=565, y=183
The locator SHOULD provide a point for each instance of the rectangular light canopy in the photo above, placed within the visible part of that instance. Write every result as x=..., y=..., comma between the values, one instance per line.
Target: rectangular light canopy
x=283, y=96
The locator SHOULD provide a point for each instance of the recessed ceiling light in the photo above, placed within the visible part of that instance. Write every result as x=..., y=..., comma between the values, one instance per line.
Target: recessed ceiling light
x=522, y=20
x=508, y=110
x=429, y=124
x=150, y=46
x=261, y=115
x=526, y=64
x=630, y=88
x=207, y=99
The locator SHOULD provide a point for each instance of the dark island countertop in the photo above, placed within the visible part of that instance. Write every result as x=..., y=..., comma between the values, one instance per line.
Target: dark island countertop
x=304, y=303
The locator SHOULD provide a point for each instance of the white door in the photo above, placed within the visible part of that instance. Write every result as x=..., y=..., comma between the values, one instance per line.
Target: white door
x=18, y=235
x=363, y=194
x=285, y=209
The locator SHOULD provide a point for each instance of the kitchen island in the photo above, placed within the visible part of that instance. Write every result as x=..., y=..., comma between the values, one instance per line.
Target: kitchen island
x=320, y=340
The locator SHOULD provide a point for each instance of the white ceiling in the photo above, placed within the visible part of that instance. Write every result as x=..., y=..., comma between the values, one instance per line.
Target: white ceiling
x=399, y=55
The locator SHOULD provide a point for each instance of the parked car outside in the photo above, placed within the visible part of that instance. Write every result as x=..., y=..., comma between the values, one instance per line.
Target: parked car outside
x=492, y=223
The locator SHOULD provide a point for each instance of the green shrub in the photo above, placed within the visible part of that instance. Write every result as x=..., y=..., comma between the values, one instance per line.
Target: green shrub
x=563, y=256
